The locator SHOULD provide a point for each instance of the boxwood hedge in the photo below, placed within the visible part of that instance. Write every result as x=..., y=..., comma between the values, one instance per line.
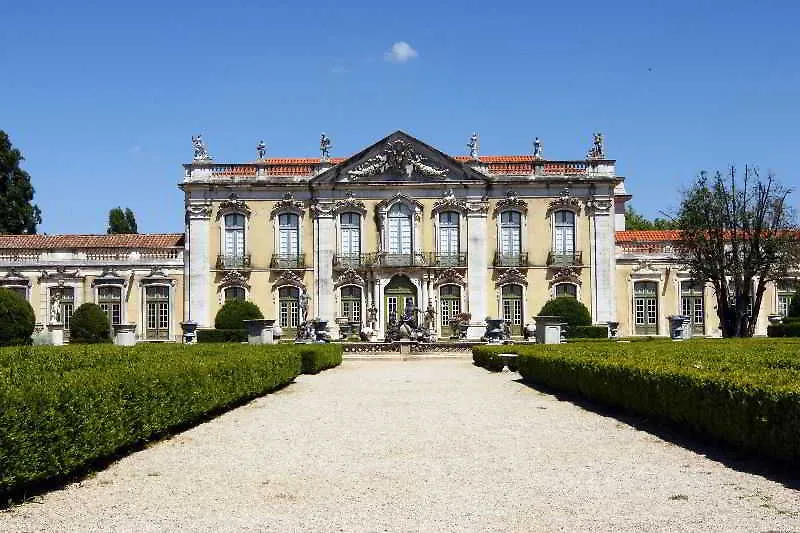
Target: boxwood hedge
x=745, y=392
x=221, y=335
x=319, y=357
x=64, y=407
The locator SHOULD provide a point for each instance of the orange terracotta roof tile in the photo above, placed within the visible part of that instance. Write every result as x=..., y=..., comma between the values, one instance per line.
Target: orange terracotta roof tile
x=40, y=242
x=648, y=235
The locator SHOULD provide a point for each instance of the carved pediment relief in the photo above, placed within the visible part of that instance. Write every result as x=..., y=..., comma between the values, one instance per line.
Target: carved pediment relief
x=234, y=278
x=60, y=275
x=382, y=207
x=13, y=277
x=511, y=275
x=288, y=203
x=400, y=157
x=109, y=277
x=450, y=275
x=449, y=202
x=232, y=205
x=287, y=277
x=565, y=201
x=349, y=203
x=566, y=274
x=349, y=277
x=511, y=201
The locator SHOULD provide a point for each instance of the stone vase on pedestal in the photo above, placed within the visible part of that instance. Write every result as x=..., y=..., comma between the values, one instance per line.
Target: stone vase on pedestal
x=124, y=334
x=189, y=330
x=259, y=331
x=56, y=331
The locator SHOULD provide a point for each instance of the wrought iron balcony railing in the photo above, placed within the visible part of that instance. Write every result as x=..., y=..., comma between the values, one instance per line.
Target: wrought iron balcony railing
x=288, y=261
x=511, y=260
x=385, y=259
x=233, y=262
x=574, y=258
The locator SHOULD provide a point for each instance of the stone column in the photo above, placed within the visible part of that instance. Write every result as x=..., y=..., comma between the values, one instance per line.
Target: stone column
x=197, y=268
x=324, y=249
x=477, y=266
x=603, y=260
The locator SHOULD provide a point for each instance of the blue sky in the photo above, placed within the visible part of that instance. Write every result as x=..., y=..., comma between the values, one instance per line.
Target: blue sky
x=103, y=97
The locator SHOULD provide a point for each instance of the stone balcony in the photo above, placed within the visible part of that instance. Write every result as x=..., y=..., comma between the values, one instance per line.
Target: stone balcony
x=502, y=260
x=559, y=259
x=233, y=262
x=287, y=261
x=388, y=260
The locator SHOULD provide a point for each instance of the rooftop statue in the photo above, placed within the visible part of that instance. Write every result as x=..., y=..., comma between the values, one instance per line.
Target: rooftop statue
x=261, y=149
x=597, y=150
x=537, y=148
x=474, y=146
x=325, y=148
x=200, y=152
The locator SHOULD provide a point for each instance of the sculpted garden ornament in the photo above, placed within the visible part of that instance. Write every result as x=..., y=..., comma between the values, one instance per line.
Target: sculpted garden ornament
x=55, y=309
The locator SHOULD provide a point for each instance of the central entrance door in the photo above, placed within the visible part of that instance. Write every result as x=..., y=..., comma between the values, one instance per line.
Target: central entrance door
x=398, y=295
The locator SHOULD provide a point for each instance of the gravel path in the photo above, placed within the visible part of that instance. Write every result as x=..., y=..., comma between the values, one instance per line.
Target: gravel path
x=433, y=445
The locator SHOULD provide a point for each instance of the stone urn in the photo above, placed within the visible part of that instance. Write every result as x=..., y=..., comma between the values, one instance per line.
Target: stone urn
x=189, y=331
x=125, y=334
x=494, y=330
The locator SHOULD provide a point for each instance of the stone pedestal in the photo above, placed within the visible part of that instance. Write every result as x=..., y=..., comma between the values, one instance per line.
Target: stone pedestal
x=475, y=330
x=548, y=329
x=189, y=330
x=405, y=347
x=679, y=327
x=259, y=331
x=56, y=331
x=125, y=334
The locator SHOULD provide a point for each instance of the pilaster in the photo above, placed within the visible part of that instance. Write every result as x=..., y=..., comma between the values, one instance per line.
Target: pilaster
x=324, y=249
x=197, y=268
x=477, y=266
x=603, y=259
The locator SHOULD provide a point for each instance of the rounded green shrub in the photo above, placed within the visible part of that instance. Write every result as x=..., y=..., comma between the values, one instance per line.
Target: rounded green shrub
x=570, y=309
x=89, y=325
x=231, y=314
x=16, y=319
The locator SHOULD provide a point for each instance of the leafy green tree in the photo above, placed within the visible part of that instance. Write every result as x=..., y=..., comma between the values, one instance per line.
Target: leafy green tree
x=120, y=221
x=17, y=214
x=16, y=319
x=738, y=233
x=636, y=221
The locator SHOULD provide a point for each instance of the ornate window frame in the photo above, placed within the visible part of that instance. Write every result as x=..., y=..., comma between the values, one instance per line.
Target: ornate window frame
x=644, y=271
x=156, y=278
x=284, y=206
x=233, y=206
x=449, y=203
x=232, y=278
x=382, y=216
x=110, y=277
x=363, y=299
x=14, y=279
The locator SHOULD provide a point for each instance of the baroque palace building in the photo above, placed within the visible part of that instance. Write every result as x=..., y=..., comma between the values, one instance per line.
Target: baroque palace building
x=398, y=224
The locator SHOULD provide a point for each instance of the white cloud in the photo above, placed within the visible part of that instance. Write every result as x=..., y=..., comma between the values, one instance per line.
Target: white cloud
x=401, y=52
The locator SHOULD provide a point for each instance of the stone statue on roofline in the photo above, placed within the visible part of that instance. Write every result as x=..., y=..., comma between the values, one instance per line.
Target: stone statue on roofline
x=537, y=148
x=200, y=151
x=474, y=146
x=261, y=149
x=597, y=151
x=325, y=148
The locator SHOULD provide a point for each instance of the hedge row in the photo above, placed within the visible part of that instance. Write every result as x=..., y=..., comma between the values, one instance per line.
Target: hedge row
x=319, y=357
x=487, y=357
x=744, y=392
x=787, y=329
x=589, y=332
x=221, y=335
x=63, y=407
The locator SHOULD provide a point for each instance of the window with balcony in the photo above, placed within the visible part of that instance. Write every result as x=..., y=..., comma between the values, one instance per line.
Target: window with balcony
x=563, y=238
x=449, y=248
x=350, y=238
x=235, y=293
x=645, y=308
x=510, y=238
x=234, y=245
x=399, y=243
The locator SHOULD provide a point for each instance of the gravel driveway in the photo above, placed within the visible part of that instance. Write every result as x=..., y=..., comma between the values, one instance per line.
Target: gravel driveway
x=425, y=445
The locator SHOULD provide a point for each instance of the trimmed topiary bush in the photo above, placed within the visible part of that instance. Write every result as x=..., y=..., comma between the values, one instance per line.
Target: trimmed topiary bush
x=16, y=319
x=320, y=357
x=571, y=310
x=790, y=328
x=89, y=325
x=231, y=315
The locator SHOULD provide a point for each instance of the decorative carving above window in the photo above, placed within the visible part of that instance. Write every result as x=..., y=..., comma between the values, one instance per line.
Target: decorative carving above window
x=397, y=156
x=199, y=211
x=566, y=275
x=565, y=201
x=287, y=277
x=14, y=278
x=60, y=275
x=349, y=203
x=600, y=206
x=156, y=275
x=511, y=275
x=234, y=278
x=288, y=203
x=109, y=277
x=480, y=207
x=449, y=202
x=415, y=206
x=450, y=275
x=349, y=277
x=232, y=205
x=511, y=201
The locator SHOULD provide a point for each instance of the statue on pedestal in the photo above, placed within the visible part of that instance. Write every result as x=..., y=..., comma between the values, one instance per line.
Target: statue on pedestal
x=261, y=149
x=537, y=148
x=474, y=146
x=55, y=309
x=597, y=151
x=200, y=151
x=304, y=299
x=325, y=148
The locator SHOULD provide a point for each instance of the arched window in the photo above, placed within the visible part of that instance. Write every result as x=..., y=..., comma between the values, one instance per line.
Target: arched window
x=399, y=234
x=288, y=236
x=512, y=307
x=645, y=307
x=566, y=289
x=234, y=293
x=350, y=231
x=289, y=307
x=510, y=237
x=234, y=241
x=449, y=305
x=448, y=238
x=351, y=303
x=692, y=305
x=109, y=298
x=157, y=312
x=564, y=236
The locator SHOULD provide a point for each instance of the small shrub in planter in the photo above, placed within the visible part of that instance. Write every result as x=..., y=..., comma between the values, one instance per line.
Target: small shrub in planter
x=16, y=319
x=231, y=315
x=570, y=309
x=89, y=325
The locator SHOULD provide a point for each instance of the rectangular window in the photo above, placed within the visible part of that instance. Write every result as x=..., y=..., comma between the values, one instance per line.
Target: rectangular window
x=157, y=306
x=645, y=307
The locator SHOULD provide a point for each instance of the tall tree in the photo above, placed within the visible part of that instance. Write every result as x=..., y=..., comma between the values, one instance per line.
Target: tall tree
x=738, y=234
x=120, y=221
x=18, y=215
x=636, y=221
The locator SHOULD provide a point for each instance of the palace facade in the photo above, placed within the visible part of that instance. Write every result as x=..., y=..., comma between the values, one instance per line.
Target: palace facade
x=398, y=224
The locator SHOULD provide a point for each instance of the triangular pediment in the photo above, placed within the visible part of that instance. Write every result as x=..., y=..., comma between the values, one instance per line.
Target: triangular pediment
x=400, y=158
